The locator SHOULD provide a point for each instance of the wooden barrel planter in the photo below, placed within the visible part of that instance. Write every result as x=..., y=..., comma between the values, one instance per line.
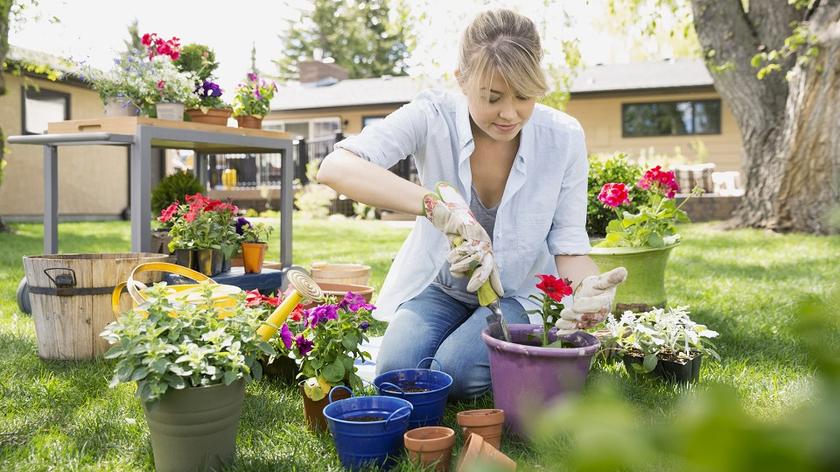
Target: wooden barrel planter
x=356, y=274
x=70, y=296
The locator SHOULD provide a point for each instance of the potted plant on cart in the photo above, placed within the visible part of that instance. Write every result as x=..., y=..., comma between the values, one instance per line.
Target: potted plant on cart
x=172, y=189
x=551, y=364
x=326, y=351
x=204, y=230
x=191, y=362
x=254, y=244
x=206, y=104
x=662, y=343
x=117, y=92
x=641, y=241
x=252, y=101
x=163, y=89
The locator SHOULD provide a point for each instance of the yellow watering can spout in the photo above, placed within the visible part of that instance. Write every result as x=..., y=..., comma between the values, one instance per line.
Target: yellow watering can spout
x=303, y=287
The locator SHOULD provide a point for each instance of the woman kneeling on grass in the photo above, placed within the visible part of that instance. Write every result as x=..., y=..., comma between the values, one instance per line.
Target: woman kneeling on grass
x=522, y=170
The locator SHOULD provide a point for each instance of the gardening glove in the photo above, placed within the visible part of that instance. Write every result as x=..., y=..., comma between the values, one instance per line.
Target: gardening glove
x=591, y=301
x=471, y=252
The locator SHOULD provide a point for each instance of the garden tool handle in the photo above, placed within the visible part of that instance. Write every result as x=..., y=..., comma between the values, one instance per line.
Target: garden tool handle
x=486, y=293
x=302, y=287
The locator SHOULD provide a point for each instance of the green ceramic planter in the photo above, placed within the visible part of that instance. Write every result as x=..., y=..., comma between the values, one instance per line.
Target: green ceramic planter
x=644, y=288
x=195, y=429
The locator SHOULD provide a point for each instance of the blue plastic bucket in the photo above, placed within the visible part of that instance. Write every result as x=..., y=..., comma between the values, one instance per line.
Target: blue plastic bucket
x=367, y=430
x=426, y=389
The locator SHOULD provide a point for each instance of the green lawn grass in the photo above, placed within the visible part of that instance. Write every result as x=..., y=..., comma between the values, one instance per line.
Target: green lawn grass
x=62, y=415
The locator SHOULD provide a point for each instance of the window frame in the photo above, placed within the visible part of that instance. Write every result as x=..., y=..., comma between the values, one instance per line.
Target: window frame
x=369, y=117
x=693, y=103
x=40, y=93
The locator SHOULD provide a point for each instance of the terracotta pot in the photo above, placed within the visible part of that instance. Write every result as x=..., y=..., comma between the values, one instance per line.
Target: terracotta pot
x=430, y=445
x=249, y=121
x=214, y=116
x=314, y=410
x=478, y=452
x=253, y=255
x=338, y=290
x=485, y=423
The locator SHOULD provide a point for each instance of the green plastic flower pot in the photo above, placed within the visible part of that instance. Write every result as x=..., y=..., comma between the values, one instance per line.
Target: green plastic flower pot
x=195, y=428
x=644, y=288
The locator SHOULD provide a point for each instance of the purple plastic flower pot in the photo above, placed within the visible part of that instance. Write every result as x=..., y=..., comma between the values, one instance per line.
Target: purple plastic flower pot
x=527, y=377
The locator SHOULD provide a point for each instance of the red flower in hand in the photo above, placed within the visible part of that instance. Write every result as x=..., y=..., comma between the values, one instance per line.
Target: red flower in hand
x=554, y=287
x=614, y=195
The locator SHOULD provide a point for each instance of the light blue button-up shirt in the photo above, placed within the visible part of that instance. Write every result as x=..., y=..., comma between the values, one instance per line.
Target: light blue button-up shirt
x=543, y=207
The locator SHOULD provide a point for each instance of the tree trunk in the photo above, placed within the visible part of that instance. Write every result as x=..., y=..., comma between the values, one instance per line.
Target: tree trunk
x=810, y=148
x=789, y=129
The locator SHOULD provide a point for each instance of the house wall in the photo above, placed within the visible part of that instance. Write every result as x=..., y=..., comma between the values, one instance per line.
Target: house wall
x=93, y=180
x=351, y=118
x=600, y=117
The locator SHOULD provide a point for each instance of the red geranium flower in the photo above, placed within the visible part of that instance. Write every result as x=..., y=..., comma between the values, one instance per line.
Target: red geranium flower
x=614, y=195
x=554, y=287
x=664, y=182
x=167, y=213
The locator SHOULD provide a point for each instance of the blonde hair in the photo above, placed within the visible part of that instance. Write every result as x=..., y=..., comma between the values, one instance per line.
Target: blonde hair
x=504, y=42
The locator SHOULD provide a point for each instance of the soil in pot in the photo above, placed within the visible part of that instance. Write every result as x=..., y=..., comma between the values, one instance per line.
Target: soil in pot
x=486, y=423
x=668, y=369
x=365, y=419
x=430, y=445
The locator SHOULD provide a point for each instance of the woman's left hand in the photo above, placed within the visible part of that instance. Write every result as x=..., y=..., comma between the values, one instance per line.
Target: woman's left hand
x=591, y=301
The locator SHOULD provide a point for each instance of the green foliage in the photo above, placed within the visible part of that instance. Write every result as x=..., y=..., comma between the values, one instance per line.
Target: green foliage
x=658, y=334
x=174, y=188
x=198, y=59
x=168, y=344
x=335, y=332
x=801, y=43
x=602, y=170
x=363, y=37
x=256, y=233
x=363, y=211
x=653, y=225
x=202, y=224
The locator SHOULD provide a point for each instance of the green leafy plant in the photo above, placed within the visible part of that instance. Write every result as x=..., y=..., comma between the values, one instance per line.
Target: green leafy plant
x=198, y=59
x=170, y=344
x=253, y=233
x=253, y=97
x=174, y=188
x=602, y=170
x=659, y=335
x=330, y=342
x=201, y=223
x=653, y=225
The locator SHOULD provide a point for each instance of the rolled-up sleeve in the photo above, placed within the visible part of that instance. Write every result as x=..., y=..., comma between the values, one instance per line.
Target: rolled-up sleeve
x=393, y=139
x=568, y=228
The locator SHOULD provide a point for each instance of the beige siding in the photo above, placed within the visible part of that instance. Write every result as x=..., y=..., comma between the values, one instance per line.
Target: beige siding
x=93, y=179
x=351, y=118
x=600, y=117
x=601, y=120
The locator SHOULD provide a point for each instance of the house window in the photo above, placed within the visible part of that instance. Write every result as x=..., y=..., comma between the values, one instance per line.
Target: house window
x=309, y=129
x=369, y=120
x=41, y=107
x=670, y=118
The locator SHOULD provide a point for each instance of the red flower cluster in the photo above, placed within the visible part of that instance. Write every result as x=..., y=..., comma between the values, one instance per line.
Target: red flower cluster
x=614, y=195
x=554, y=287
x=157, y=46
x=659, y=180
x=199, y=203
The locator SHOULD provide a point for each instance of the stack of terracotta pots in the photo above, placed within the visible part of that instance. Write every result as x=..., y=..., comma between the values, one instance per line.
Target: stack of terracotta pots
x=482, y=430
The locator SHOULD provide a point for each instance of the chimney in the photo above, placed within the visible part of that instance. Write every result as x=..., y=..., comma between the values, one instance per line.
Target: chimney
x=320, y=73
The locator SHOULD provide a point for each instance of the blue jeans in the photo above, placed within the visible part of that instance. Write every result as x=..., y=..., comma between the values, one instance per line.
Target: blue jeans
x=433, y=324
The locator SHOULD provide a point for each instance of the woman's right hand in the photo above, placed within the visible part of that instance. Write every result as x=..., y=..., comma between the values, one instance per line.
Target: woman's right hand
x=472, y=252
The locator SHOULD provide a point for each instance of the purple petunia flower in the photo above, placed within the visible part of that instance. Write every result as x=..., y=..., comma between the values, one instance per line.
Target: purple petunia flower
x=304, y=345
x=364, y=325
x=252, y=76
x=241, y=223
x=319, y=314
x=354, y=302
x=286, y=336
